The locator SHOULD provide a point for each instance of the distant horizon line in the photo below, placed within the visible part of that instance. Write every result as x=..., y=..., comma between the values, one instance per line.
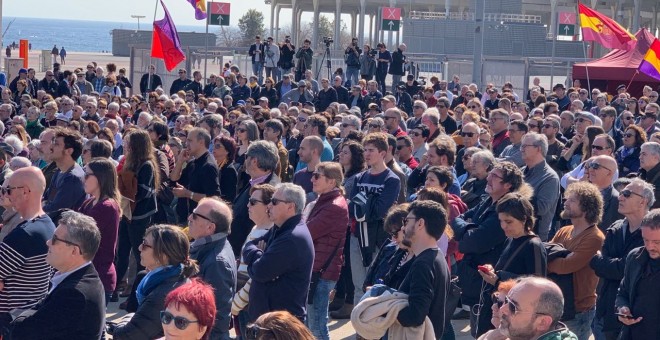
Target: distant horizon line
x=90, y=20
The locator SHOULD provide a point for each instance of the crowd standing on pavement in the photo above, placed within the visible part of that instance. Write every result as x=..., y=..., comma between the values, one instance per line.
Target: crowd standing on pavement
x=263, y=202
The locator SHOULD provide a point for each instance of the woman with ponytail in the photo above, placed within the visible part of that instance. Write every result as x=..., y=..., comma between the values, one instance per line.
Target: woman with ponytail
x=165, y=253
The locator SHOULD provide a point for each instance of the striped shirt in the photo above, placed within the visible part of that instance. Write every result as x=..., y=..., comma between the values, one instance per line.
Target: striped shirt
x=23, y=267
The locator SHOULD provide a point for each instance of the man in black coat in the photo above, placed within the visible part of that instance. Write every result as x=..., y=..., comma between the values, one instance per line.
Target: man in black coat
x=260, y=163
x=342, y=92
x=649, y=160
x=181, y=83
x=622, y=237
x=150, y=81
x=75, y=305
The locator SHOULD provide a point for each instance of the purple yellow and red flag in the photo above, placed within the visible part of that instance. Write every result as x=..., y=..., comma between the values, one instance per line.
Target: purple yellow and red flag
x=165, y=41
x=651, y=63
x=600, y=28
x=200, y=8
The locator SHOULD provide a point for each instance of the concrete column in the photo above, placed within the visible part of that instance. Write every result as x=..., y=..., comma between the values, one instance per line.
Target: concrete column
x=635, y=16
x=363, y=9
x=294, y=23
x=372, y=18
x=278, y=10
x=298, y=19
x=479, y=42
x=654, y=19
x=272, y=18
x=337, y=21
x=618, y=15
x=553, y=17
x=353, y=24
x=447, y=7
x=315, y=29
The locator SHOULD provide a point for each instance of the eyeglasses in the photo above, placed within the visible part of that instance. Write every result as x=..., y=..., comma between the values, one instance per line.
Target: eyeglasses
x=394, y=234
x=302, y=119
x=628, y=135
x=374, y=126
x=416, y=134
x=7, y=190
x=254, y=201
x=627, y=193
x=547, y=126
x=254, y=331
x=317, y=175
x=599, y=148
x=522, y=146
x=628, y=118
x=241, y=130
x=596, y=166
x=145, y=245
x=468, y=134
x=197, y=215
x=276, y=201
x=260, y=120
x=56, y=239
x=179, y=321
x=496, y=300
x=473, y=107
x=388, y=118
x=492, y=174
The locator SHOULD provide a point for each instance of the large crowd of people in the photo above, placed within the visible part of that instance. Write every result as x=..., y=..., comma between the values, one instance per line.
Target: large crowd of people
x=262, y=205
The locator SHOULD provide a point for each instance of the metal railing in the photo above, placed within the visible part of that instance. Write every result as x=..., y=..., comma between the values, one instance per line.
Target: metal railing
x=505, y=17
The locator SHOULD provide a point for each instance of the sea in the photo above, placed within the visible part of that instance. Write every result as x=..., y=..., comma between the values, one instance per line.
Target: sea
x=74, y=35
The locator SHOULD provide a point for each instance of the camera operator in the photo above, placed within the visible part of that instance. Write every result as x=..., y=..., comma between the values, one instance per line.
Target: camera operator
x=304, y=56
x=397, y=66
x=352, y=59
x=384, y=60
x=287, y=51
x=272, y=53
x=368, y=63
x=257, y=53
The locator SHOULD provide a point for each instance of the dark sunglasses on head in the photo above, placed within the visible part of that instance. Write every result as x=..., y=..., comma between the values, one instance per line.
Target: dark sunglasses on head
x=627, y=193
x=467, y=134
x=179, y=321
x=599, y=148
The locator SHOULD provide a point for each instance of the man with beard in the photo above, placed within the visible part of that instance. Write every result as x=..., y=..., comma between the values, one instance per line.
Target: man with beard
x=532, y=310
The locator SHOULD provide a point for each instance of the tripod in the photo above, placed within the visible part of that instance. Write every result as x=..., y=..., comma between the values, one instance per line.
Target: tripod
x=326, y=57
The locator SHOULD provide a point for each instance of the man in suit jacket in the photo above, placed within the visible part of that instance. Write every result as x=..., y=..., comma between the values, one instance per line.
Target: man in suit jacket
x=75, y=305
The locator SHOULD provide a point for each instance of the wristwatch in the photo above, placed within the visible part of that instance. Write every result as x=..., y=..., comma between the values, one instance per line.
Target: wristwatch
x=191, y=195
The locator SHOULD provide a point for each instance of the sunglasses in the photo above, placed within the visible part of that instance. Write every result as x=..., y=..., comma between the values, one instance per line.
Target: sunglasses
x=599, y=148
x=317, y=175
x=374, y=126
x=276, y=201
x=254, y=201
x=400, y=147
x=56, y=239
x=473, y=107
x=467, y=134
x=302, y=119
x=596, y=166
x=260, y=120
x=627, y=193
x=496, y=300
x=416, y=134
x=394, y=234
x=628, y=135
x=241, y=130
x=7, y=190
x=547, y=126
x=197, y=215
x=652, y=116
x=179, y=321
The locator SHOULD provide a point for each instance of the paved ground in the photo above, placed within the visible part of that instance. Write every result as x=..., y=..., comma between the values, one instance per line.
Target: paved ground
x=339, y=329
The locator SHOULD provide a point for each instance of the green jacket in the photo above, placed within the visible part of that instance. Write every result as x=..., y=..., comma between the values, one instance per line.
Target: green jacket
x=560, y=332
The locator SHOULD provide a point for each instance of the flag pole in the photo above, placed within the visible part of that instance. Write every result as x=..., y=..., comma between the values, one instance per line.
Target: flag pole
x=633, y=77
x=584, y=48
x=151, y=58
x=206, y=40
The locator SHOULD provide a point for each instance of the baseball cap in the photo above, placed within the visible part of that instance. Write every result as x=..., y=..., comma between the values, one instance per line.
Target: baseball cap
x=302, y=83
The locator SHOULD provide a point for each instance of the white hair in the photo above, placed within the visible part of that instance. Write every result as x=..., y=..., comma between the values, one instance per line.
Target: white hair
x=15, y=143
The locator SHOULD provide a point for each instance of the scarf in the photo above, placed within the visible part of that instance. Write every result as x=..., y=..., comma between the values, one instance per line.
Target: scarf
x=154, y=278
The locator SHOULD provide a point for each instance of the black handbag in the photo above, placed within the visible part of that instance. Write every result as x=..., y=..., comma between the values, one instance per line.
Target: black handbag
x=316, y=276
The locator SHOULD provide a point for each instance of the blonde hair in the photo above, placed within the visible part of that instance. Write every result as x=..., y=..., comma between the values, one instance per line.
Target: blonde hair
x=332, y=170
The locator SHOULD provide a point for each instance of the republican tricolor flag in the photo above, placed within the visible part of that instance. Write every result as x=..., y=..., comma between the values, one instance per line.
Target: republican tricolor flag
x=165, y=41
x=600, y=28
x=200, y=8
x=651, y=63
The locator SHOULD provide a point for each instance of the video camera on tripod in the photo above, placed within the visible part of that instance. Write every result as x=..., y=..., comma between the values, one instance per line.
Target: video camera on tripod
x=327, y=41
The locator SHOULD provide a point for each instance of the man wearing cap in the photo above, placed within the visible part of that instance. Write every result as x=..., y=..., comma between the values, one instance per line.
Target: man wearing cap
x=284, y=86
x=150, y=81
x=300, y=94
x=84, y=86
x=263, y=103
x=649, y=119
x=327, y=95
x=387, y=102
x=22, y=75
x=257, y=53
x=356, y=99
x=493, y=102
x=562, y=100
x=392, y=119
x=404, y=99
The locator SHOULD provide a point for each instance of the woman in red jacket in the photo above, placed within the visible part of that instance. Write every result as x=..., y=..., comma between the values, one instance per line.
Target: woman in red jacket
x=327, y=218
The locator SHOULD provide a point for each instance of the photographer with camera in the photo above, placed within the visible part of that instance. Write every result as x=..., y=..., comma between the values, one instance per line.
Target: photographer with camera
x=272, y=53
x=384, y=60
x=397, y=65
x=304, y=56
x=368, y=63
x=287, y=51
x=352, y=59
x=257, y=53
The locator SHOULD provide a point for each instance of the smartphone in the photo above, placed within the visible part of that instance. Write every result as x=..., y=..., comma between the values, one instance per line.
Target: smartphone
x=625, y=316
x=483, y=269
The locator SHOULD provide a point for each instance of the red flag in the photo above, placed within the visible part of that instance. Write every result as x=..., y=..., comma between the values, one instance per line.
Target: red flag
x=165, y=42
x=600, y=28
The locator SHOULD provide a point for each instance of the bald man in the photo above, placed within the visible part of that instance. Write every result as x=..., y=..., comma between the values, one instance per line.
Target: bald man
x=24, y=273
x=533, y=308
x=209, y=225
x=470, y=136
x=601, y=173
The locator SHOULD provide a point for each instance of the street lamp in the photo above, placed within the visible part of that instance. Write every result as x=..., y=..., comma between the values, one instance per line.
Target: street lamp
x=138, y=17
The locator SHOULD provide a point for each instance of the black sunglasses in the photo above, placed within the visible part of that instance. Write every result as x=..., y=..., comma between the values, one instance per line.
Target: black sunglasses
x=496, y=300
x=628, y=118
x=179, y=321
x=547, y=126
x=599, y=148
x=627, y=193
x=56, y=239
x=596, y=166
x=7, y=190
x=197, y=215
x=629, y=135
x=254, y=201
x=317, y=175
x=467, y=134
x=276, y=201
x=259, y=120
x=416, y=134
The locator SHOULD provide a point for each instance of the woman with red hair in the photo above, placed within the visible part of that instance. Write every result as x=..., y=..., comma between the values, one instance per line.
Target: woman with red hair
x=190, y=303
